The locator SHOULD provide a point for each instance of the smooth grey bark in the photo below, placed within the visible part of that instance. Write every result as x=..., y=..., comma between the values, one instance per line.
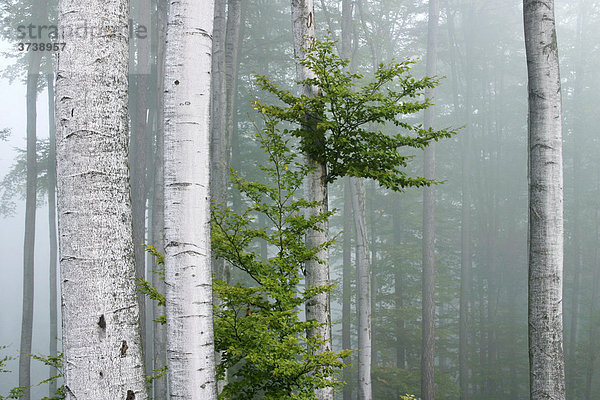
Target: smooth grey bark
x=346, y=288
x=138, y=150
x=428, y=277
x=317, y=272
x=219, y=141
x=188, y=275
x=220, y=146
x=363, y=283
x=346, y=53
x=101, y=332
x=398, y=295
x=33, y=70
x=546, y=358
x=465, y=225
x=51, y=174
x=159, y=337
x=572, y=376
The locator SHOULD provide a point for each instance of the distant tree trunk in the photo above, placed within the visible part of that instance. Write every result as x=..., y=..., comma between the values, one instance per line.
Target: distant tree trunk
x=232, y=49
x=138, y=157
x=101, y=332
x=428, y=302
x=52, y=230
x=546, y=359
x=465, y=264
x=346, y=288
x=572, y=375
x=346, y=53
x=398, y=294
x=33, y=69
x=219, y=141
x=317, y=273
x=188, y=277
x=157, y=220
x=363, y=279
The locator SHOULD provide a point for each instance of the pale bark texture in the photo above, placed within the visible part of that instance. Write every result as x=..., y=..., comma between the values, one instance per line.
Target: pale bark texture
x=363, y=279
x=219, y=143
x=346, y=52
x=30, y=211
x=188, y=278
x=101, y=332
x=317, y=273
x=159, y=337
x=546, y=359
x=346, y=288
x=52, y=303
x=428, y=282
x=138, y=149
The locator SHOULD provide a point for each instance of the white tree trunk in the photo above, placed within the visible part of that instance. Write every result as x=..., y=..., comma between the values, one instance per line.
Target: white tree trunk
x=547, y=377
x=157, y=221
x=364, y=290
x=101, y=332
x=317, y=273
x=188, y=278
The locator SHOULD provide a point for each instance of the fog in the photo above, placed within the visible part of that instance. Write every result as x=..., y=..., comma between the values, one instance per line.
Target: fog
x=481, y=202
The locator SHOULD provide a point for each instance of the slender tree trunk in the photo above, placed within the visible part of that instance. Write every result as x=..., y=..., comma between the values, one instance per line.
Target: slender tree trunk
x=346, y=53
x=546, y=359
x=33, y=69
x=346, y=288
x=101, y=332
x=157, y=228
x=317, y=273
x=52, y=229
x=398, y=294
x=138, y=157
x=428, y=302
x=363, y=279
x=219, y=140
x=572, y=376
x=188, y=277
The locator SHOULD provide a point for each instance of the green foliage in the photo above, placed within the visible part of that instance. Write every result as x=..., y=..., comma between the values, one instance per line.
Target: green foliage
x=50, y=361
x=257, y=328
x=335, y=128
x=146, y=287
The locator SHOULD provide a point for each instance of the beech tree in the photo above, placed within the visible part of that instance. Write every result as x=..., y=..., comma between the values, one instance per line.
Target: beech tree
x=546, y=359
x=101, y=332
x=188, y=278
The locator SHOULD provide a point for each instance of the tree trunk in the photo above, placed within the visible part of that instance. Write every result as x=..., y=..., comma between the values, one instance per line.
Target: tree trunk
x=157, y=233
x=398, y=295
x=53, y=352
x=465, y=225
x=346, y=287
x=363, y=279
x=30, y=211
x=346, y=53
x=188, y=276
x=218, y=139
x=317, y=273
x=546, y=359
x=138, y=157
x=101, y=332
x=428, y=302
